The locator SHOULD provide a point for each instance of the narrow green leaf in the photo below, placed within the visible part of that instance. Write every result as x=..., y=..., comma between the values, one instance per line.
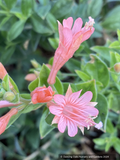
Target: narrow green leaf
x=83, y=75
x=102, y=106
x=15, y=30
x=44, y=127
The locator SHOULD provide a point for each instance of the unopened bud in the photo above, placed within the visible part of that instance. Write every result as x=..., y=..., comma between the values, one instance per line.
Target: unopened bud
x=2, y=92
x=9, y=96
x=35, y=63
x=117, y=67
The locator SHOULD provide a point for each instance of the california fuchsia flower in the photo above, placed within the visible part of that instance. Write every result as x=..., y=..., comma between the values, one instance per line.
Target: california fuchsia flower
x=73, y=112
x=5, y=119
x=7, y=104
x=3, y=71
x=70, y=39
x=42, y=95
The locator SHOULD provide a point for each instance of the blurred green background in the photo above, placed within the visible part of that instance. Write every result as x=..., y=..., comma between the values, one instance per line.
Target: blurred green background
x=28, y=30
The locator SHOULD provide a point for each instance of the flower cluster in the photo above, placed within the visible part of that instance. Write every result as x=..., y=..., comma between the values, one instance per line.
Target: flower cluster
x=71, y=110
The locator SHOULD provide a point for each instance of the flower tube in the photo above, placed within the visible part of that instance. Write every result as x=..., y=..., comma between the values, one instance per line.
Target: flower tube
x=70, y=39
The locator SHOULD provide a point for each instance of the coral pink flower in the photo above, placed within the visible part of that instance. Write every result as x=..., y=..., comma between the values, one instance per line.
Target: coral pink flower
x=5, y=119
x=42, y=95
x=3, y=71
x=8, y=104
x=73, y=112
x=70, y=39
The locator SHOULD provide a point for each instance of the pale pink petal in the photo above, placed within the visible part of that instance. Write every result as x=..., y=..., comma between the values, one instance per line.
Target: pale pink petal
x=69, y=92
x=82, y=129
x=99, y=125
x=55, y=110
x=68, y=22
x=55, y=119
x=72, y=128
x=74, y=96
x=91, y=111
x=87, y=34
x=92, y=104
x=77, y=25
x=60, y=28
x=51, y=103
x=8, y=104
x=85, y=98
x=62, y=124
x=59, y=99
x=67, y=34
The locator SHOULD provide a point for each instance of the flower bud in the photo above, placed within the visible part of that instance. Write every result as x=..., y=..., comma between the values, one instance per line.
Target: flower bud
x=5, y=119
x=2, y=91
x=30, y=77
x=35, y=63
x=9, y=96
x=117, y=67
x=42, y=95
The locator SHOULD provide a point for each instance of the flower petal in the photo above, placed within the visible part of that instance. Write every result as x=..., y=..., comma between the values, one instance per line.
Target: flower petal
x=69, y=92
x=59, y=99
x=91, y=111
x=55, y=119
x=72, y=128
x=85, y=98
x=67, y=34
x=62, y=124
x=56, y=110
x=74, y=96
x=99, y=125
x=87, y=34
x=77, y=25
x=68, y=22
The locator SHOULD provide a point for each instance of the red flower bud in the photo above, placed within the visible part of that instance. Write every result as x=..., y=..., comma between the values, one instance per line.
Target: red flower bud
x=42, y=95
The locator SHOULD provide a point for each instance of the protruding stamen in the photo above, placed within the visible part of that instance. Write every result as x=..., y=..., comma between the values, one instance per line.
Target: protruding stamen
x=90, y=23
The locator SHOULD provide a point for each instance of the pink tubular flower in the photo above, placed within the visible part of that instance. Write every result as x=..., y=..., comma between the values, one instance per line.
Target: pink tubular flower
x=73, y=112
x=5, y=119
x=70, y=39
x=7, y=104
x=42, y=95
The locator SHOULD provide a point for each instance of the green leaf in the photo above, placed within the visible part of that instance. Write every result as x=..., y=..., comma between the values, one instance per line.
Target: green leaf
x=114, y=58
x=42, y=11
x=102, y=106
x=54, y=42
x=52, y=22
x=98, y=70
x=87, y=86
x=103, y=51
x=94, y=8
x=32, y=107
x=44, y=73
x=14, y=118
x=14, y=85
x=116, y=145
x=45, y=128
x=6, y=54
x=15, y=30
x=5, y=83
x=83, y=75
x=10, y=4
x=25, y=96
x=34, y=84
x=40, y=25
x=26, y=7
x=59, y=8
x=110, y=128
x=33, y=138
x=73, y=64
x=99, y=141
x=112, y=19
